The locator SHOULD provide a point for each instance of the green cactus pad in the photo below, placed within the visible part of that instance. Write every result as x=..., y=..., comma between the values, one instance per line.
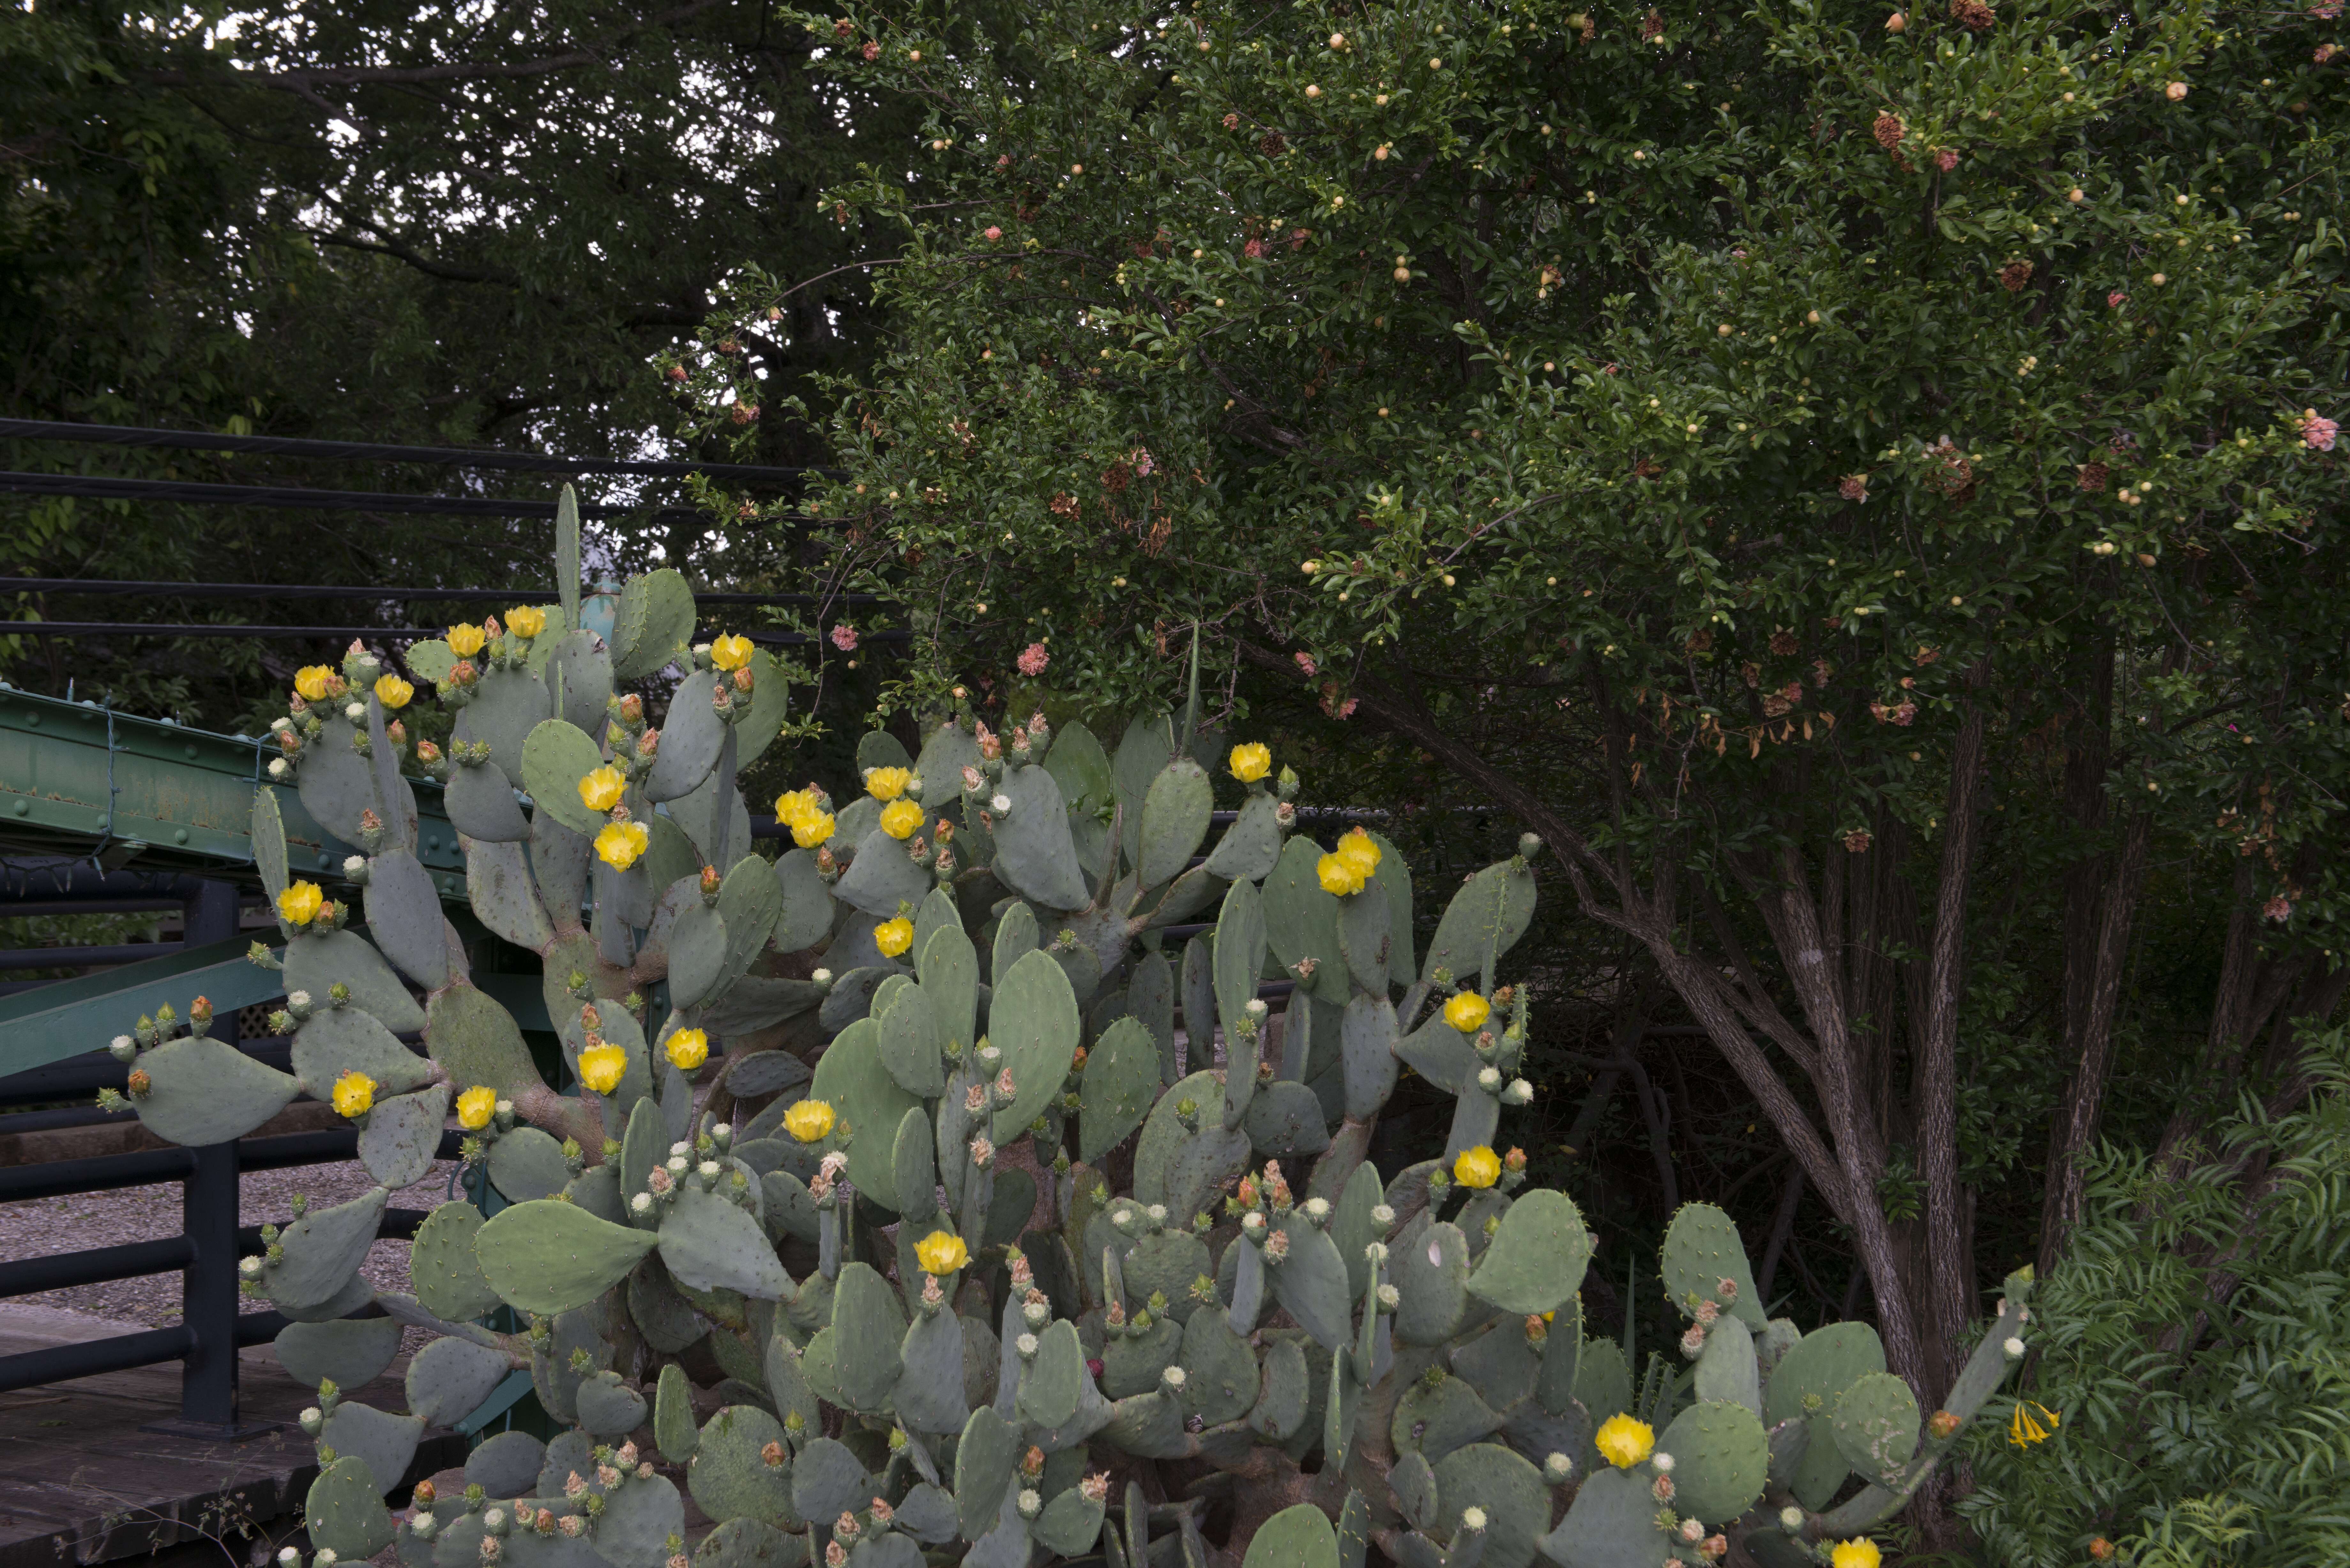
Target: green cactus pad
x=1175, y=814
x=1150, y=1001
x=351, y=1353
x=882, y=877
x=868, y=1326
x=1312, y=1282
x=268, y=836
x=1562, y=1359
x=205, y=1091
x=1352, y=1228
x=1301, y=920
x=478, y=1042
x=691, y=739
x=498, y=887
x=1721, y=1461
x=548, y=1256
x=1119, y=1085
x=1613, y=1524
x=1414, y=1481
x=787, y=1381
x=450, y=1377
x=729, y=1475
x=1510, y=1492
x=1498, y=1363
x=1296, y=1537
x=1054, y=1380
x=950, y=971
x=506, y=1464
x=608, y=1407
x=1251, y=846
x=324, y=1248
x=747, y=1543
x=448, y=1277
x=1726, y=1369
x=710, y=1243
x=853, y=1080
x=559, y=858
x=1367, y=1041
x=653, y=624
x=403, y=916
x=385, y=1441
x=334, y=1041
x=1875, y=1425
x=567, y=1454
x=335, y=782
x=1823, y=1363
x=1434, y=1422
x=697, y=952
x=828, y=1480
x=1033, y=1020
x=319, y=962
x=1602, y=1382
x=1537, y=1258
x=910, y=1039
x=806, y=918
x=1366, y=936
x=915, y=1166
x=673, y=1429
x=344, y=1511
x=946, y=752
x=985, y=1459
x=1286, y=1395
x=555, y=756
x=1070, y=1524
x=639, y=1516
x=1132, y=1362
x=525, y=1164
x=1430, y=1273
x=929, y=1396
x=1221, y=1378
x=1484, y=921
x=1702, y=1250
x=1035, y=853
x=1239, y=960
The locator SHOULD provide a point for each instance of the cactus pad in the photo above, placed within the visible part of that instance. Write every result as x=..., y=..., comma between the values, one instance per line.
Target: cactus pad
x=548, y=1256
x=1510, y=1491
x=1701, y=1249
x=1120, y=1082
x=344, y=1512
x=506, y=1464
x=730, y=1475
x=449, y=1378
x=1430, y=1272
x=852, y=1078
x=205, y=1091
x=1875, y=1425
x=1721, y=1461
x=351, y=1353
x=709, y=1244
x=1613, y=1524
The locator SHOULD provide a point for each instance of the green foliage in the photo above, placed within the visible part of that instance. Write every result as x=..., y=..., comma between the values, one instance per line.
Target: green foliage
x=2193, y=1348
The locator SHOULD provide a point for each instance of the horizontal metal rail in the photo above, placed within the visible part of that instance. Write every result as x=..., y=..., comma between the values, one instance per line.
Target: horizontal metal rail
x=82, y=957
x=378, y=452
x=104, y=487
x=337, y=633
x=105, y=586
x=60, y=1363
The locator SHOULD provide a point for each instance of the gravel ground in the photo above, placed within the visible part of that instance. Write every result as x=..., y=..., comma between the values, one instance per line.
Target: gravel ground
x=81, y=1220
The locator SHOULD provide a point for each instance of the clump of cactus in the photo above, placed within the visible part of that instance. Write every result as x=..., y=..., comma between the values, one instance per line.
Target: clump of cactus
x=899, y=1315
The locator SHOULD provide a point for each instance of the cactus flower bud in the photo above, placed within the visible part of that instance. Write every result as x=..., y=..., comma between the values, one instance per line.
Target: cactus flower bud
x=139, y=1082
x=1557, y=1467
x=1661, y=1489
x=1276, y=1246
x=1942, y=1423
x=2014, y=1348
x=1790, y=1519
x=1173, y=1378
x=1030, y=1503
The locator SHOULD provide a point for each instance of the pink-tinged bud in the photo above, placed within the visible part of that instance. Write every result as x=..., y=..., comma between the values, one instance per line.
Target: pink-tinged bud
x=772, y=1455
x=574, y=1486
x=1726, y=1289
x=982, y=1153
x=1943, y=1425
x=836, y=1555
x=369, y=822
x=1096, y=1487
x=846, y=1528
x=990, y=748
x=1093, y=1365
x=1693, y=1341
x=545, y=1523
x=881, y=1511
x=628, y=1455
x=1707, y=1311
x=1662, y=1490
x=1276, y=1246
x=932, y=1296
x=1032, y=1464
x=973, y=782
x=1245, y=1194
x=1004, y=1085
x=649, y=743
x=1115, y=1315
x=1514, y=1162
x=632, y=708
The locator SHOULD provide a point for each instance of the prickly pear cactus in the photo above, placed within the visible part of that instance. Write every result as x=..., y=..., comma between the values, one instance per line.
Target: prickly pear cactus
x=898, y=1314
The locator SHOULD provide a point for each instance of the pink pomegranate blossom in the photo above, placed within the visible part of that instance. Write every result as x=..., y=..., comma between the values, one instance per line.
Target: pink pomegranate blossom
x=843, y=637
x=1033, y=660
x=1304, y=662
x=2318, y=431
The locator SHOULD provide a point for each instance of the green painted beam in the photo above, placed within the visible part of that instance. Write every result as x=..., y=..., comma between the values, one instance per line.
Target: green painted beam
x=75, y=1016
x=143, y=794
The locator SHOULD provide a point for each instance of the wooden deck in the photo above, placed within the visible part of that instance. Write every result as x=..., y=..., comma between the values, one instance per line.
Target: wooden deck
x=80, y=1482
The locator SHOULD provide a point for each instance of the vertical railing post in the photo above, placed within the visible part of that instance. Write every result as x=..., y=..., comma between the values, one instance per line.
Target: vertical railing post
x=209, y=1208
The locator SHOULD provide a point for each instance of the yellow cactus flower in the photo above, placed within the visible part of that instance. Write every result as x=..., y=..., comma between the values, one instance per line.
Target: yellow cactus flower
x=1250, y=762
x=1860, y=1551
x=475, y=1107
x=1479, y=1166
x=810, y=1121
x=901, y=818
x=813, y=829
x=601, y=790
x=887, y=783
x=1468, y=1011
x=526, y=623
x=1362, y=849
x=620, y=844
x=465, y=639
x=392, y=692
x=354, y=1094
x=941, y=1253
x=894, y=936
x=2026, y=1430
x=311, y=679
x=731, y=652
x=602, y=1066
x=1339, y=874
x=795, y=803
x=1625, y=1442
x=299, y=905
x=688, y=1049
